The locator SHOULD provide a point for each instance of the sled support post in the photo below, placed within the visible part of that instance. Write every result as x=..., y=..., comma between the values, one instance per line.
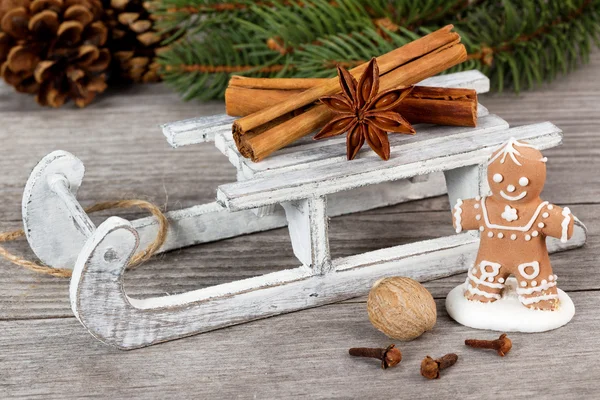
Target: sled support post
x=466, y=182
x=308, y=225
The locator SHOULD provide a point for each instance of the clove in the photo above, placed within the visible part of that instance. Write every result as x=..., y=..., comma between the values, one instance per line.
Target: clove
x=502, y=345
x=431, y=368
x=390, y=356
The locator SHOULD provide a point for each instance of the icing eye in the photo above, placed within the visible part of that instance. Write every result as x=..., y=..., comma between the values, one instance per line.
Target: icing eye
x=498, y=178
x=523, y=181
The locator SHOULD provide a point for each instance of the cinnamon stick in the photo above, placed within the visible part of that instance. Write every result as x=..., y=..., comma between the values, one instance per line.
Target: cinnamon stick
x=257, y=147
x=276, y=83
x=429, y=105
x=387, y=62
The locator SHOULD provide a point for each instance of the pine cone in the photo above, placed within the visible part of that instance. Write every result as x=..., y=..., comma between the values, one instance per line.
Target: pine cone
x=54, y=49
x=133, y=42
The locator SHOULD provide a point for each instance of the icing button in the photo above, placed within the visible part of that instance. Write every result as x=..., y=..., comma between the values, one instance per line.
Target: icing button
x=534, y=233
x=513, y=237
x=550, y=277
x=527, y=238
x=523, y=283
x=481, y=228
x=545, y=215
x=550, y=206
x=501, y=280
x=533, y=283
x=541, y=225
x=478, y=217
x=476, y=205
x=490, y=234
x=500, y=235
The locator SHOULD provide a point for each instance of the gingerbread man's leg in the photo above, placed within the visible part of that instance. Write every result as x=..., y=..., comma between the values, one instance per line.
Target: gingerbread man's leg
x=485, y=282
x=537, y=285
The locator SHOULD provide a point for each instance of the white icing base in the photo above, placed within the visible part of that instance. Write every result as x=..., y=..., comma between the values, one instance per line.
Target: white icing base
x=507, y=314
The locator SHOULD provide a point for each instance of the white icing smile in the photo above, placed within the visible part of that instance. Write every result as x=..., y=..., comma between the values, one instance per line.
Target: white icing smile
x=513, y=198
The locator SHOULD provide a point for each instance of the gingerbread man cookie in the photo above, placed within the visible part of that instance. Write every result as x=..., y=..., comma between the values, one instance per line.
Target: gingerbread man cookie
x=514, y=222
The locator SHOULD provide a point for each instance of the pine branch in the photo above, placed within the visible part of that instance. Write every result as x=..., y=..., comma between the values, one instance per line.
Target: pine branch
x=517, y=43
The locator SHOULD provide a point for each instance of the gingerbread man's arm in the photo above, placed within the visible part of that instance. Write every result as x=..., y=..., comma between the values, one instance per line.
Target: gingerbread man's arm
x=466, y=215
x=557, y=222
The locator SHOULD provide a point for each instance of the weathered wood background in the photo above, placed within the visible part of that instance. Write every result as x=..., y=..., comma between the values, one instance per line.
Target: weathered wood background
x=46, y=353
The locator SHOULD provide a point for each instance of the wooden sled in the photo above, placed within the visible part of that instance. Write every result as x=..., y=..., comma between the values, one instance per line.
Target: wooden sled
x=306, y=180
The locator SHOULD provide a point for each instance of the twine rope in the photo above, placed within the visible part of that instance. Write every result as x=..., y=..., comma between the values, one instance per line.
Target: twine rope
x=136, y=260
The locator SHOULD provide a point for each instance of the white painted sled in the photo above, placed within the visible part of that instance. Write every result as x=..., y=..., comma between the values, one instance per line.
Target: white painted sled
x=306, y=180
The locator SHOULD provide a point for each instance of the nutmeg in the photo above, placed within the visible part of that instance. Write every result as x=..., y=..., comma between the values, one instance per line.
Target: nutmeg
x=401, y=308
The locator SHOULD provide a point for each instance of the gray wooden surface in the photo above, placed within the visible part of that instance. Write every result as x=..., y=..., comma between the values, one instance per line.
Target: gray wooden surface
x=45, y=353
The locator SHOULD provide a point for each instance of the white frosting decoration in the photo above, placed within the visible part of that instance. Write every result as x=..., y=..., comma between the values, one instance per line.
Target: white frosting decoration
x=565, y=224
x=513, y=198
x=510, y=214
x=490, y=234
x=541, y=225
x=534, y=283
x=531, y=300
x=508, y=149
x=534, y=233
x=544, y=286
x=507, y=314
x=477, y=198
x=524, y=228
x=523, y=181
x=510, y=188
x=536, y=270
x=478, y=281
x=544, y=159
x=476, y=206
x=513, y=237
x=550, y=277
x=481, y=228
x=550, y=206
x=523, y=283
x=479, y=292
x=489, y=274
x=545, y=215
x=497, y=178
x=457, y=215
x=478, y=217
x=501, y=280
x=527, y=238
x=500, y=235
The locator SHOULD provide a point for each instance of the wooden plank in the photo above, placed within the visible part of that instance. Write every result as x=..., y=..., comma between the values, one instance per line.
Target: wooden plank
x=277, y=358
x=467, y=148
x=210, y=222
x=101, y=305
x=196, y=130
x=311, y=153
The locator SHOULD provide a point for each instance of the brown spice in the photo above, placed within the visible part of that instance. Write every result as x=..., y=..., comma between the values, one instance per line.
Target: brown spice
x=406, y=65
x=364, y=113
x=390, y=356
x=502, y=345
x=431, y=368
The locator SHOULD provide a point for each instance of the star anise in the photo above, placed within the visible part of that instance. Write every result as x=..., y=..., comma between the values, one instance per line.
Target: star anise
x=365, y=114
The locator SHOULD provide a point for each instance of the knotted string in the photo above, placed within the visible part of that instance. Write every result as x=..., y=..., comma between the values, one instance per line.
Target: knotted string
x=136, y=260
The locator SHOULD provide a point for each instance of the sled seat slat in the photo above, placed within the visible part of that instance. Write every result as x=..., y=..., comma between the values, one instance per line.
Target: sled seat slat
x=470, y=147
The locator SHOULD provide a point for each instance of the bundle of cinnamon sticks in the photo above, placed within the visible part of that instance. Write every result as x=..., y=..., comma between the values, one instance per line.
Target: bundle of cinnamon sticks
x=276, y=112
